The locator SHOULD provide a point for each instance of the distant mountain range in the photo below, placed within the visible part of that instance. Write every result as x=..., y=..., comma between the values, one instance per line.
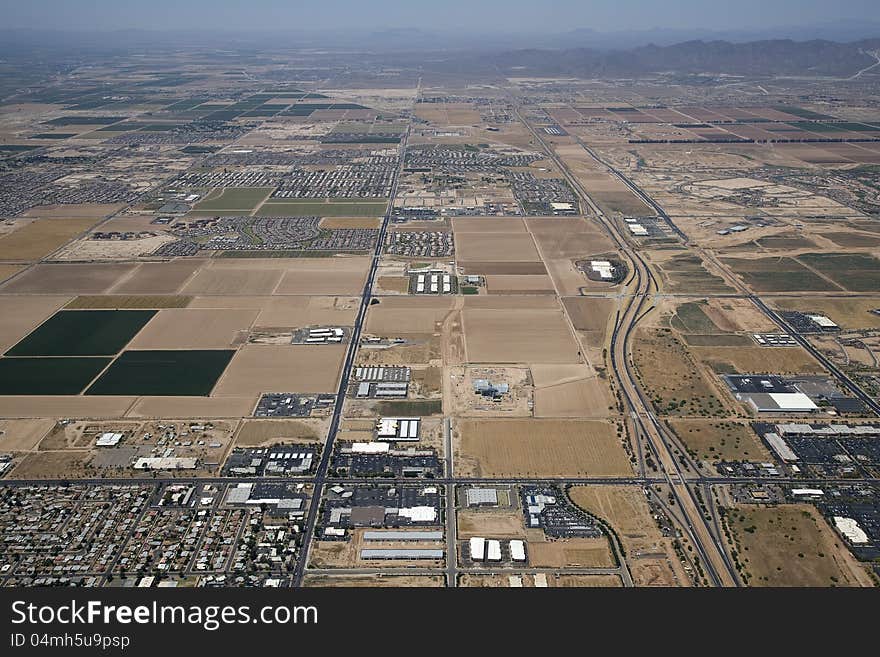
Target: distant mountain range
x=774, y=57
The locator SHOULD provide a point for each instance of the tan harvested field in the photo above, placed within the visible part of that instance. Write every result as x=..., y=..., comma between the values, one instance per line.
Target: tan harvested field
x=650, y=556
x=496, y=247
x=540, y=448
x=104, y=301
x=23, y=435
x=373, y=581
x=218, y=280
x=540, y=284
x=518, y=336
x=190, y=328
x=302, y=311
x=7, y=271
x=159, y=277
x=289, y=368
x=758, y=360
x=41, y=237
x=572, y=553
x=511, y=302
x=36, y=406
x=792, y=545
x=75, y=210
x=853, y=313
x=201, y=407
x=331, y=223
x=715, y=440
x=393, y=315
x=324, y=276
x=589, y=398
x=589, y=313
x=488, y=225
x=503, y=268
x=18, y=315
x=263, y=433
x=67, y=278
x=569, y=237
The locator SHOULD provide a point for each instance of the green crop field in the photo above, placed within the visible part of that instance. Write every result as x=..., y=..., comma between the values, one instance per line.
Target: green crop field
x=83, y=333
x=322, y=208
x=48, y=376
x=163, y=373
x=239, y=199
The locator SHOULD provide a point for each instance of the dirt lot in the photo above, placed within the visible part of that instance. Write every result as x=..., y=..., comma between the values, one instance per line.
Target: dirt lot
x=713, y=440
x=373, y=581
x=263, y=433
x=518, y=336
x=220, y=280
x=539, y=448
x=289, y=368
x=650, y=557
x=23, y=435
x=188, y=328
x=488, y=225
x=792, y=545
x=571, y=553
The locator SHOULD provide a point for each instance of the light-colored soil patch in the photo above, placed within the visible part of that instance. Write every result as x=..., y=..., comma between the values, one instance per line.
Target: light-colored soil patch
x=23, y=435
x=488, y=225
x=35, y=406
x=540, y=448
x=294, y=368
x=189, y=328
x=201, y=407
x=7, y=271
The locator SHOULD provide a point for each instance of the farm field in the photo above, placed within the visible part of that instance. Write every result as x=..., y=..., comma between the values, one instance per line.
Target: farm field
x=40, y=237
x=289, y=368
x=158, y=372
x=83, y=333
x=518, y=336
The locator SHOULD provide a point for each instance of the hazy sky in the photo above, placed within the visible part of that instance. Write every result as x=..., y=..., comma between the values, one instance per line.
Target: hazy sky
x=476, y=15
